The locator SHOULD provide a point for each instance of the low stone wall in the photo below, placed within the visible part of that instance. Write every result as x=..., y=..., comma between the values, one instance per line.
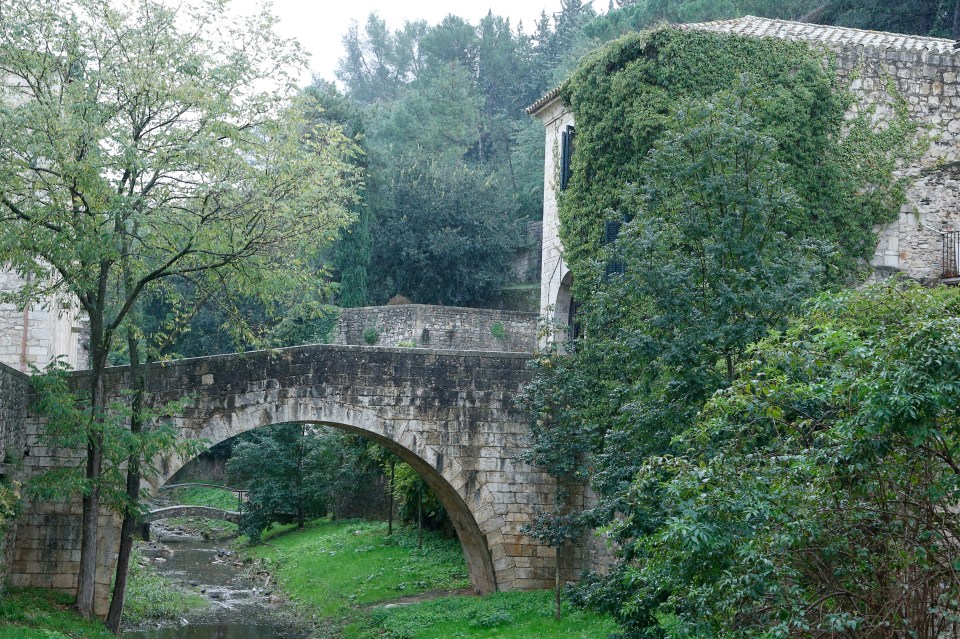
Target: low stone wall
x=443, y=327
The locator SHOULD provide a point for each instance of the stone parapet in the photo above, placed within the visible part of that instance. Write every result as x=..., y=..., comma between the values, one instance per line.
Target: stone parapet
x=442, y=327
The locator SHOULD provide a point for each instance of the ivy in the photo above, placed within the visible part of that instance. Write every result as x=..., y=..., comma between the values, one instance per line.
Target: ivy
x=625, y=96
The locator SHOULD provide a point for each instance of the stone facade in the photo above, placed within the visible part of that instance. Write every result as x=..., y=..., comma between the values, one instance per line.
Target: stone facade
x=40, y=333
x=449, y=414
x=925, y=73
x=424, y=326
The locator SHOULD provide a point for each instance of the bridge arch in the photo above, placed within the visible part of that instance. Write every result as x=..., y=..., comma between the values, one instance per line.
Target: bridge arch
x=449, y=414
x=429, y=463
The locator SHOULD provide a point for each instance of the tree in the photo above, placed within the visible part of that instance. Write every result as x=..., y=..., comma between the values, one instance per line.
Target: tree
x=271, y=464
x=299, y=471
x=816, y=496
x=140, y=146
x=351, y=257
x=445, y=235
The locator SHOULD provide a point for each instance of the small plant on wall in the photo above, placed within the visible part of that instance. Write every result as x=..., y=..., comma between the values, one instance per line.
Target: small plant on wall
x=371, y=335
x=496, y=329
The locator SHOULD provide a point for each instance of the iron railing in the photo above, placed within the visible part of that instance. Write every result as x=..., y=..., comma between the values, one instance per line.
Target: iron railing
x=951, y=255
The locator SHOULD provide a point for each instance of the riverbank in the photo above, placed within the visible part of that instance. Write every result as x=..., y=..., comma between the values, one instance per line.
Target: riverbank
x=357, y=583
x=43, y=614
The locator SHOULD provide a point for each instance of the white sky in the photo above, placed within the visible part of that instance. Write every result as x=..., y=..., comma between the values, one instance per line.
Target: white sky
x=319, y=25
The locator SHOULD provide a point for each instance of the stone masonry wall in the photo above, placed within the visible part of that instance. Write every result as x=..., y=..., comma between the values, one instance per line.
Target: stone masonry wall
x=446, y=327
x=51, y=329
x=924, y=73
x=46, y=551
x=14, y=394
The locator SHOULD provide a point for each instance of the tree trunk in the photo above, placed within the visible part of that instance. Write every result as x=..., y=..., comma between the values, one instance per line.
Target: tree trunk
x=299, y=478
x=86, y=586
x=130, y=518
x=393, y=464
x=956, y=22
x=420, y=516
x=556, y=586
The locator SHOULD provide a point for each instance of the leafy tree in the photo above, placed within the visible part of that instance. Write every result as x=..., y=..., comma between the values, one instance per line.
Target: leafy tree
x=271, y=465
x=299, y=471
x=438, y=115
x=445, y=236
x=352, y=249
x=814, y=497
x=140, y=147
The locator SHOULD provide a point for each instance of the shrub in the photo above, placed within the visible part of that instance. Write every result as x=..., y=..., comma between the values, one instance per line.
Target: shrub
x=371, y=335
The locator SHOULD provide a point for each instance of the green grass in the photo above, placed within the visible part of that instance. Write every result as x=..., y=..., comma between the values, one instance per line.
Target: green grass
x=204, y=496
x=505, y=615
x=150, y=595
x=348, y=570
x=331, y=566
x=43, y=614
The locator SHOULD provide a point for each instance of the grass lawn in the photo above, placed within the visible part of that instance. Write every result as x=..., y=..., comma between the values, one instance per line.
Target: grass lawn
x=504, y=615
x=348, y=570
x=333, y=566
x=42, y=614
x=204, y=496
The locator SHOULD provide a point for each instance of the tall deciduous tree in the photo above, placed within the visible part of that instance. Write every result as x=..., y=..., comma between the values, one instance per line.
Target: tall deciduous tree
x=148, y=143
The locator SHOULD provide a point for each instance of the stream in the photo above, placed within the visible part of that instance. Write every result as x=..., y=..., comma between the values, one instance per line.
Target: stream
x=241, y=607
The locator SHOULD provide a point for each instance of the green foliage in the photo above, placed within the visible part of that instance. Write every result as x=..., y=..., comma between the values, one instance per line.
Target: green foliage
x=920, y=17
x=43, y=614
x=371, y=335
x=496, y=329
x=9, y=503
x=296, y=472
x=445, y=236
x=626, y=96
x=205, y=496
x=151, y=596
x=67, y=425
x=409, y=490
x=306, y=324
x=331, y=567
x=505, y=615
x=812, y=491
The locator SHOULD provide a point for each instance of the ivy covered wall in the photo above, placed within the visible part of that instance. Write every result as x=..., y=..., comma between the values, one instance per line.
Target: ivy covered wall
x=841, y=168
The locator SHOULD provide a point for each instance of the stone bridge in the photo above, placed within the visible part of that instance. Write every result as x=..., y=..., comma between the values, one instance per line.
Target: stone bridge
x=207, y=512
x=449, y=414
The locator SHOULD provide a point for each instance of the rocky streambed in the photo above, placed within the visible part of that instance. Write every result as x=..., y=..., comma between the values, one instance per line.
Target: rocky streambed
x=242, y=603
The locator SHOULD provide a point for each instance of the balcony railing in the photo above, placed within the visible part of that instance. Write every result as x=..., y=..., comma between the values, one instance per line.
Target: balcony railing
x=951, y=255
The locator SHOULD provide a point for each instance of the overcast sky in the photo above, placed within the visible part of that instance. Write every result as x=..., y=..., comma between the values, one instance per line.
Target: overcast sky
x=319, y=25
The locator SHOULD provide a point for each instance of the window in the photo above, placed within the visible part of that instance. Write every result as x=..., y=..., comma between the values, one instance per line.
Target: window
x=611, y=229
x=566, y=154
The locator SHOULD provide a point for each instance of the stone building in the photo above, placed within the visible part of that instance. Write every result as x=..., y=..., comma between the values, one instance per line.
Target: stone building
x=40, y=333
x=924, y=243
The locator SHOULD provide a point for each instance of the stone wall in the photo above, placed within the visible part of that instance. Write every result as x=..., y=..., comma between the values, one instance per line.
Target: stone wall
x=14, y=392
x=46, y=549
x=14, y=396
x=445, y=327
x=50, y=329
